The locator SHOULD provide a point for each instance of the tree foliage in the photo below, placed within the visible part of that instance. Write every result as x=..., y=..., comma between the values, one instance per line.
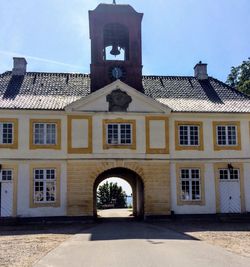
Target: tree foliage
x=240, y=77
x=111, y=195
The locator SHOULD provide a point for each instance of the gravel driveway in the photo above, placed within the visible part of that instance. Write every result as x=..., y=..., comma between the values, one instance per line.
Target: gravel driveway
x=24, y=245
x=234, y=237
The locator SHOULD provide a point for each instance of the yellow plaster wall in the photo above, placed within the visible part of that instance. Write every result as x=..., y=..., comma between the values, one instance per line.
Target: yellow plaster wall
x=82, y=174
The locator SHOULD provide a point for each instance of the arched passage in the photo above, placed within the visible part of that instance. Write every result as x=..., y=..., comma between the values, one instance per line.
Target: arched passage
x=135, y=182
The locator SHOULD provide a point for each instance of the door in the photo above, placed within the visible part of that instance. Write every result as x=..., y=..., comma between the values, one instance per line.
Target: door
x=230, y=201
x=6, y=199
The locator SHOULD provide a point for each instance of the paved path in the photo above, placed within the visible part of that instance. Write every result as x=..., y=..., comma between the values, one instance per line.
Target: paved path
x=137, y=244
x=115, y=213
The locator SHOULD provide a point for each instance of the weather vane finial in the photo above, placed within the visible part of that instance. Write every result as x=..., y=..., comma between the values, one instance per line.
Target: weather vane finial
x=114, y=2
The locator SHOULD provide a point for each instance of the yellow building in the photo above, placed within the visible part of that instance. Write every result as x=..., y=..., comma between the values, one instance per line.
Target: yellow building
x=182, y=143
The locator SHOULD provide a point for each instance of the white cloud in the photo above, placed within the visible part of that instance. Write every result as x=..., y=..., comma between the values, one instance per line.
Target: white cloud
x=50, y=61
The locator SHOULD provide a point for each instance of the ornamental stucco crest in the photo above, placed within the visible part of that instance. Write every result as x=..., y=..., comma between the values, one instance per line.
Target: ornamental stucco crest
x=118, y=100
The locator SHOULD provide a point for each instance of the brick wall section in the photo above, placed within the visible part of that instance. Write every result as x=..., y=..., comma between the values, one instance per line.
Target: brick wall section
x=81, y=176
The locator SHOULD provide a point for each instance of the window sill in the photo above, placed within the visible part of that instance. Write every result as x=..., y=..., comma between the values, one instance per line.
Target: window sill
x=55, y=147
x=107, y=146
x=190, y=202
x=184, y=147
x=226, y=147
x=45, y=205
x=9, y=146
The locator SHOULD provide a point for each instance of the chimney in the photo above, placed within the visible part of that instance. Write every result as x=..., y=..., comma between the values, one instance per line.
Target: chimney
x=200, y=71
x=19, y=66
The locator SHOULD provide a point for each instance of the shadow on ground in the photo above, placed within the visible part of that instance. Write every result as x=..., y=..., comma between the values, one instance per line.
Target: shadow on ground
x=128, y=228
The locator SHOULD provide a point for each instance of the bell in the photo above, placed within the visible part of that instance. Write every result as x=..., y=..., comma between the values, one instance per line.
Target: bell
x=114, y=51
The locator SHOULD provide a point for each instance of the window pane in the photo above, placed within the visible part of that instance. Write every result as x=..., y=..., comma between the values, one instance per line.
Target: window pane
x=6, y=132
x=6, y=175
x=184, y=173
x=50, y=191
x=221, y=135
x=39, y=191
x=125, y=133
x=39, y=133
x=50, y=133
x=112, y=134
x=195, y=173
x=185, y=190
x=196, y=190
x=231, y=132
x=50, y=174
x=38, y=174
x=223, y=174
x=234, y=174
x=183, y=135
x=194, y=135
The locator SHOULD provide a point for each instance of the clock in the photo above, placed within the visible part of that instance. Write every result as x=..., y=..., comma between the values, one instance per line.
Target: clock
x=117, y=72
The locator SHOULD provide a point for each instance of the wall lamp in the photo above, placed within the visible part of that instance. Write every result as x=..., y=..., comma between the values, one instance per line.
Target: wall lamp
x=230, y=167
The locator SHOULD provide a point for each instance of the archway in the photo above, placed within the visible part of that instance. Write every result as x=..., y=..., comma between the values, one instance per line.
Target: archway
x=134, y=180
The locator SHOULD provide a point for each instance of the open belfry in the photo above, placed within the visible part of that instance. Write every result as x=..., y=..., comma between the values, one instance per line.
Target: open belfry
x=181, y=142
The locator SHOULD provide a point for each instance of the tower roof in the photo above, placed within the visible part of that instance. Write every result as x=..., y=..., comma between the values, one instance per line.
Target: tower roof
x=114, y=8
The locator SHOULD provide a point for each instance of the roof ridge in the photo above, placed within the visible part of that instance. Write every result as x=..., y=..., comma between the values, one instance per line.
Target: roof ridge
x=168, y=76
x=57, y=73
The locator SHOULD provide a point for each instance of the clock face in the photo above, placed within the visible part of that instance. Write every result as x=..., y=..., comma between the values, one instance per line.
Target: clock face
x=116, y=72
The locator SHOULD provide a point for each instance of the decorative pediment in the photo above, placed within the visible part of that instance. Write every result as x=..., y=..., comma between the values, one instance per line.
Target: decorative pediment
x=117, y=97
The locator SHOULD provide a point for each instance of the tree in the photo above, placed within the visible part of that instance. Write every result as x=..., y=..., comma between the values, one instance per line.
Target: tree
x=111, y=195
x=240, y=77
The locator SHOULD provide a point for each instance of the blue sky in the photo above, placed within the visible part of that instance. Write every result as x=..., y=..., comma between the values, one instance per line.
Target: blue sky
x=54, y=35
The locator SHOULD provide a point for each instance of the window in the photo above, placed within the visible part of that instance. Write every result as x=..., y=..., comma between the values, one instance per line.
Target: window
x=6, y=133
x=44, y=133
x=119, y=134
x=226, y=135
x=189, y=135
x=44, y=185
x=190, y=184
x=6, y=175
x=226, y=174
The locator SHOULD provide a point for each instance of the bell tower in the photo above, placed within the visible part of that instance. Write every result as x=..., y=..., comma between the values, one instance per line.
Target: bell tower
x=115, y=33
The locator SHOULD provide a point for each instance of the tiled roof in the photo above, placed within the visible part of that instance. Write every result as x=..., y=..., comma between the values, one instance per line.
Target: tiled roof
x=54, y=91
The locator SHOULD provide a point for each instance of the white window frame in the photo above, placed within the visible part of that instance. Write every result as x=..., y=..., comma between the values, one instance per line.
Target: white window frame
x=119, y=143
x=189, y=180
x=2, y=179
x=44, y=180
x=1, y=133
x=188, y=134
x=226, y=132
x=45, y=124
x=230, y=174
